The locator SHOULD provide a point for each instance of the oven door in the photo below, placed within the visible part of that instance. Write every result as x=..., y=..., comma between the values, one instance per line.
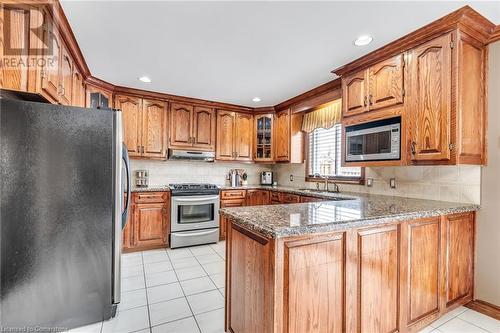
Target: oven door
x=373, y=143
x=194, y=212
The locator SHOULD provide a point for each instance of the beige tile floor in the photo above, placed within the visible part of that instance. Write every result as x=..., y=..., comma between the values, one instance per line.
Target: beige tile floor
x=182, y=291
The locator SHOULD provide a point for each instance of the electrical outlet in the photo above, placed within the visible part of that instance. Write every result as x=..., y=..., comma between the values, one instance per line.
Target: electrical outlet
x=392, y=182
x=369, y=182
x=291, y=178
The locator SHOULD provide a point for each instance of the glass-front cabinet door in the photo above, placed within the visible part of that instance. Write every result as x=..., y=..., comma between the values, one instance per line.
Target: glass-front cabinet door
x=263, y=138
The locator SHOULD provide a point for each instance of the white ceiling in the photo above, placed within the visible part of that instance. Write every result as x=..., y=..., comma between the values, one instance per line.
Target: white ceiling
x=234, y=51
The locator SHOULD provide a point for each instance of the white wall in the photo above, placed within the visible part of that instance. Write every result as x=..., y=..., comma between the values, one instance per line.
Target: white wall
x=488, y=224
x=446, y=183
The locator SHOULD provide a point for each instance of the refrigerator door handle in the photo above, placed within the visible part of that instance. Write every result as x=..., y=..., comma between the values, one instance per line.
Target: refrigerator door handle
x=127, y=167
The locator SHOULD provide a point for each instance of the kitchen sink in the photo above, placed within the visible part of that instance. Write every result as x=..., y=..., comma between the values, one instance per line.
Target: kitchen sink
x=325, y=192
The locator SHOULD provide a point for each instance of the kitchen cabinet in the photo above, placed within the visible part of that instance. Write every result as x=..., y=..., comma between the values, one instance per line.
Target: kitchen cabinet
x=51, y=79
x=275, y=198
x=394, y=277
x=431, y=91
x=304, y=198
x=192, y=127
x=78, y=94
x=282, y=137
x=264, y=138
x=149, y=222
x=234, y=136
x=257, y=197
x=230, y=198
x=377, y=87
x=288, y=198
x=288, y=137
x=106, y=94
x=144, y=126
x=66, y=77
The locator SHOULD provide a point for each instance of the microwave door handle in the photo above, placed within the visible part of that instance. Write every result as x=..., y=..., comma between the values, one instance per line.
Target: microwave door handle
x=126, y=159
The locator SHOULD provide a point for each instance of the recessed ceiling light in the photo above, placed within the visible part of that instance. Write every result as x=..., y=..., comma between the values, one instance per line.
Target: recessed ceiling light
x=363, y=40
x=145, y=79
x=256, y=99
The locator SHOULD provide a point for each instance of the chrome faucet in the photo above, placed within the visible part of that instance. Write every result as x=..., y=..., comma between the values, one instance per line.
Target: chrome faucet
x=336, y=188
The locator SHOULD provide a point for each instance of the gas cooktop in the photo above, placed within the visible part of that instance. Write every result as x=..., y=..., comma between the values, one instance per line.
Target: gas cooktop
x=193, y=189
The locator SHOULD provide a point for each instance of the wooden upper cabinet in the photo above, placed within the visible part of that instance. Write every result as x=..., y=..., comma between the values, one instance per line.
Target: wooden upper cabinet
x=282, y=137
x=154, y=128
x=78, y=94
x=51, y=79
x=181, y=125
x=132, y=122
x=66, y=77
x=204, y=128
x=225, y=136
x=386, y=83
x=243, y=136
x=354, y=93
x=431, y=94
x=264, y=138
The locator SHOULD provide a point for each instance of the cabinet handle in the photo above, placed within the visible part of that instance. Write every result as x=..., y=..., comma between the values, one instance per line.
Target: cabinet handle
x=365, y=101
x=142, y=150
x=413, y=147
x=138, y=149
x=192, y=140
x=371, y=99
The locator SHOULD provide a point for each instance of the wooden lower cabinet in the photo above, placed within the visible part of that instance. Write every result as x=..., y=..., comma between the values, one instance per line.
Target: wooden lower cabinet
x=257, y=197
x=148, y=224
x=396, y=277
x=230, y=198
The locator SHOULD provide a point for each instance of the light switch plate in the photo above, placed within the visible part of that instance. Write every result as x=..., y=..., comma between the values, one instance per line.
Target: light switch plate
x=392, y=182
x=369, y=182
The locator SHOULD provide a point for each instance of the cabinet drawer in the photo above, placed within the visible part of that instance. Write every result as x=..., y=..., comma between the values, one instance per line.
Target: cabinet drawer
x=275, y=196
x=146, y=197
x=232, y=203
x=309, y=199
x=233, y=194
x=289, y=198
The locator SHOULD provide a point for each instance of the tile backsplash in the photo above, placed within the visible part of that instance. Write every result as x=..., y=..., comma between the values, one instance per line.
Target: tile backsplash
x=166, y=172
x=446, y=183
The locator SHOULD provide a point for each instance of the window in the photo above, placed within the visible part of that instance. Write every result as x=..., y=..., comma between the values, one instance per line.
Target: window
x=324, y=156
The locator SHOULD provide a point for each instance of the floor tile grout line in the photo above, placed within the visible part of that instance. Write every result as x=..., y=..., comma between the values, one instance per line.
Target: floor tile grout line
x=187, y=301
x=146, y=291
x=453, y=317
x=473, y=324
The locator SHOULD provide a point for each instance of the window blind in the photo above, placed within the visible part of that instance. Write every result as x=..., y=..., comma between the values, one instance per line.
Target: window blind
x=324, y=155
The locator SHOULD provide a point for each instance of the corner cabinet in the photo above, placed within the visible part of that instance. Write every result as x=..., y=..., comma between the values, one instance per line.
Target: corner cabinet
x=288, y=137
x=192, y=127
x=234, y=136
x=263, y=148
x=144, y=126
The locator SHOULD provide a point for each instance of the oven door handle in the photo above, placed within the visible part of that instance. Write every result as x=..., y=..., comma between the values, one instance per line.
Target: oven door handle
x=180, y=199
x=199, y=233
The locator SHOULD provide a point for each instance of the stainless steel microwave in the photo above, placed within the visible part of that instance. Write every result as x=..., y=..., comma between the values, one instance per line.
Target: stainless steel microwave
x=374, y=141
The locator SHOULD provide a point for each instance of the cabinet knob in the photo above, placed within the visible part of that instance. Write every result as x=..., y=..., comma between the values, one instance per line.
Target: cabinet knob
x=365, y=101
x=370, y=100
x=413, y=148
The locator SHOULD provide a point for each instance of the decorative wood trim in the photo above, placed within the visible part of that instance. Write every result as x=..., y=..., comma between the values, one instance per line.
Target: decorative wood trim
x=325, y=88
x=495, y=34
x=485, y=308
x=248, y=233
x=465, y=18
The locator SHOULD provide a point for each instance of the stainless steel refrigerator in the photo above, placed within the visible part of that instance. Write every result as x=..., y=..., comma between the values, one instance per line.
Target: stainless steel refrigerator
x=64, y=171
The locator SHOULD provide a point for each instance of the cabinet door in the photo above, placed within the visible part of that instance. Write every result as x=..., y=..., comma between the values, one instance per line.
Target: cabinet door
x=78, y=95
x=430, y=110
x=354, y=93
x=386, y=83
x=204, y=128
x=131, y=118
x=66, y=77
x=422, y=255
x=181, y=126
x=282, y=137
x=225, y=136
x=243, y=136
x=378, y=279
x=460, y=255
x=154, y=129
x=263, y=149
x=257, y=197
x=150, y=225
x=287, y=198
x=51, y=83
x=16, y=23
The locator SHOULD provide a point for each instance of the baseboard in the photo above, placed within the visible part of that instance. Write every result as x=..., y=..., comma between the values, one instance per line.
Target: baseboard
x=485, y=308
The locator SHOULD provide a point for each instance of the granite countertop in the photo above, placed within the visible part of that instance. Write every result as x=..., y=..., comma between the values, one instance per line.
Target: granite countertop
x=152, y=188
x=363, y=210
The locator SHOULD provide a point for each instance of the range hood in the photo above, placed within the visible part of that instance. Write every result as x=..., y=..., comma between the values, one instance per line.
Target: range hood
x=175, y=154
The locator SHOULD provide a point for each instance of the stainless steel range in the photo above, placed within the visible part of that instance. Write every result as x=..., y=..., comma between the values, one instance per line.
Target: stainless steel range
x=195, y=214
